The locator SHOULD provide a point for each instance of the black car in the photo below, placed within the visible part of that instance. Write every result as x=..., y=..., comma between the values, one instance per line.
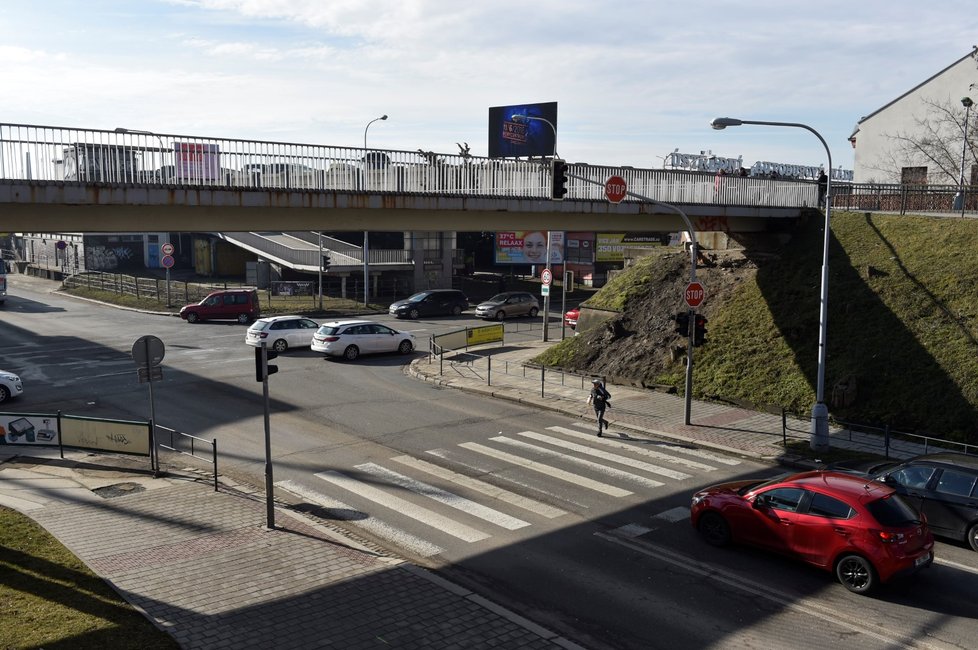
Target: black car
x=943, y=486
x=433, y=302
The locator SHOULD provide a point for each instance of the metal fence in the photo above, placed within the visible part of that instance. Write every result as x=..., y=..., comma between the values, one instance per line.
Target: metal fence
x=187, y=444
x=129, y=157
x=903, y=199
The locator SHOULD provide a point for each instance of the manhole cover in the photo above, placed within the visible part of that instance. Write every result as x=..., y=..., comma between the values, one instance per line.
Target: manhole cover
x=118, y=490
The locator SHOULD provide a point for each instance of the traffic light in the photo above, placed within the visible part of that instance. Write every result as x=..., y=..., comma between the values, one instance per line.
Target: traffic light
x=699, y=330
x=262, y=368
x=559, y=188
x=682, y=323
x=326, y=262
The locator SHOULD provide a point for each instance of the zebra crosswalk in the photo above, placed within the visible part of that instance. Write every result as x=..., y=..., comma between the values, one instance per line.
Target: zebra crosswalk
x=505, y=484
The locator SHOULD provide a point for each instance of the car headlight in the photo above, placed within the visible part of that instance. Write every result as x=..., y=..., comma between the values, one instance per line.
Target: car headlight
x=697, y=498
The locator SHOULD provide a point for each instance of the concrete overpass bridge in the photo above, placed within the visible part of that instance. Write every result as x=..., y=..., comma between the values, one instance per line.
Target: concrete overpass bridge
x=60, y=179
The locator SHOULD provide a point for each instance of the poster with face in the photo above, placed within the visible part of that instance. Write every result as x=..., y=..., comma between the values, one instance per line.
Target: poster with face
x=529, y=247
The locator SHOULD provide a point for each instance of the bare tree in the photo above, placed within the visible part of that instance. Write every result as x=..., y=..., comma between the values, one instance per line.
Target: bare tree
x=934, y=142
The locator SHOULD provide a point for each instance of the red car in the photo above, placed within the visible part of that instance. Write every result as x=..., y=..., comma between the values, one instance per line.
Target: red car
x=859, y=529
x=571, y=317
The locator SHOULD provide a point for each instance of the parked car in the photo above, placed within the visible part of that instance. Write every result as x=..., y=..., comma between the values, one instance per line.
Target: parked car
x=433, y=302
x=865, y=533
x=10, y=386
x=943, y=486
x=235, y=304
x=351, y=338
x=570, y=318
x=282, y=332
x=508, y=304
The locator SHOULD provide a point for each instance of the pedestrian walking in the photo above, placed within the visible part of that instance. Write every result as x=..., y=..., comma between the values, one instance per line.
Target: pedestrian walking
x=600, y=399
x=823, y=185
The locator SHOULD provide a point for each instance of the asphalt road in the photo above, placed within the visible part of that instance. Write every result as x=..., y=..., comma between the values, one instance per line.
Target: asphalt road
x=588, y=536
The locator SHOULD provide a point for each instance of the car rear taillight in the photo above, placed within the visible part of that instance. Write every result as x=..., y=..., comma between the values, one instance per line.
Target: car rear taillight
x=263, y=335
x=330, y=339
x=890, y=537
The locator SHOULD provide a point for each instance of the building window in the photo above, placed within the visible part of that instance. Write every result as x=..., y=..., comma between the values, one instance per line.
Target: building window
x=913, y=176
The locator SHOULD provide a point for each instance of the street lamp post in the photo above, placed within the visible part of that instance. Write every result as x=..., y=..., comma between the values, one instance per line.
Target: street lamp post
x=959, y=197
x=819, y=440
x=546, y=298
x=366, y=264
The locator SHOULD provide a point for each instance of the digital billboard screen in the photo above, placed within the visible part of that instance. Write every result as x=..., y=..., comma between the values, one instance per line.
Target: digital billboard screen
x=529, y=247
x=511, y=135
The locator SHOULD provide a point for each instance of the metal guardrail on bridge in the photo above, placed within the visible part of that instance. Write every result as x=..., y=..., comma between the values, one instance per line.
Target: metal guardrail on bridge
x=124, y=157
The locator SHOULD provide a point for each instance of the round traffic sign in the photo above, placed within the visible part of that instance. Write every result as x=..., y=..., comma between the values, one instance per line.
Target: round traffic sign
x=61, y=245
x=167, y=249
x=694, y=294
x=615, y=188
x=546, y=276
x=148, y=351
x=167, y=261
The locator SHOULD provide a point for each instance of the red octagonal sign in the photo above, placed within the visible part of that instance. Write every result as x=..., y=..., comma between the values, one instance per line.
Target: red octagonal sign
x=694, y=294
x=615, y=188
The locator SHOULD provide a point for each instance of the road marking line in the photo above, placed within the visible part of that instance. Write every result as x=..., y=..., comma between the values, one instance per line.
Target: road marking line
x=673, y=515
x=443, y=496
x=450, y=455
x=404, y=507
x=803, y=605
x=615, y=458
x=553, y=472
x=591, y=465
x=339, y=510
x=644, y=451
x=632, y=530
x=955, y=565
x=489, y=489
x=689, y=451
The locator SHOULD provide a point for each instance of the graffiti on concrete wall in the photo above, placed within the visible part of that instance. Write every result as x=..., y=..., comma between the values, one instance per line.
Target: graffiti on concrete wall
x=111, y=258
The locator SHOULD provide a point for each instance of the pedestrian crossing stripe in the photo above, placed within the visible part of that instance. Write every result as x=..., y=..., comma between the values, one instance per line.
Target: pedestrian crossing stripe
x=674, y=514
x=634, y=448
x=542, y=468
x=443, y=496
x=343, y=512
x=403, y=506
x=615, y=458
x=591, y=465
x=679, y=449
x=542, y=509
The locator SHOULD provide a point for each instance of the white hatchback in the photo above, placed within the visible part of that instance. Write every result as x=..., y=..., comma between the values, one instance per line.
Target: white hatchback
x=10, y=386
x=281, y=332
x=351, y=338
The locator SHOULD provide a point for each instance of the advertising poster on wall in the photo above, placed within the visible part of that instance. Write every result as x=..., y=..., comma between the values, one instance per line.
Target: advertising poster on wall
x=196, y=161
x=529, y=247
x=511, y=135
x=610, y=247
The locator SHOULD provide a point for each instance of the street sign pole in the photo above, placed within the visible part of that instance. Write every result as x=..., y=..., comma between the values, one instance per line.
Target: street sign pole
x=546, y=296
x=269, y=496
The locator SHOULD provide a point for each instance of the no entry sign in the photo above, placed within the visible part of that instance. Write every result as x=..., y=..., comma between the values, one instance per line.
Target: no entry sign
x=615, y=188
x=694, y=294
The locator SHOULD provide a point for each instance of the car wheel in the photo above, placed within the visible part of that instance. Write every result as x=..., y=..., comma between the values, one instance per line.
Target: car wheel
x=456, y=310
x=405, y=347
x=192, y=317
x=351, y=353
x=533, y=312
x=243, y=318
x=714, y=529
x=972, y=533
x=413, y=314
x=4, y=394
x=500, y=315
x=281, y=345
x=856, y=574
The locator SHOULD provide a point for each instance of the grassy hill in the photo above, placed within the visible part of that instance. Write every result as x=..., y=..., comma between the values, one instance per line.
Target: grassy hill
x=902, y=324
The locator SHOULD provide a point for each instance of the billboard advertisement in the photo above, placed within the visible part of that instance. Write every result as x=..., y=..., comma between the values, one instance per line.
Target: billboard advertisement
x=529, y=247
x=511, y=135
x=196, y=161
x=610, y=247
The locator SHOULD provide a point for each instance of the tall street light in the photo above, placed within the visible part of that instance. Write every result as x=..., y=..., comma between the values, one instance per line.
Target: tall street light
x=546, y=298
x=366, y=264
x=819, y=440
x=959, y=197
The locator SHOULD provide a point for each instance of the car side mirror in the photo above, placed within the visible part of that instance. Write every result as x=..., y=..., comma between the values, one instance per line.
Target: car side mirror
x=759, y=503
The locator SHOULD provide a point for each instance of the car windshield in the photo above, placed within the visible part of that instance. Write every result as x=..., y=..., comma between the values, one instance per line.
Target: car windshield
x=418, y=297
x=762, y=484
x=892, y=510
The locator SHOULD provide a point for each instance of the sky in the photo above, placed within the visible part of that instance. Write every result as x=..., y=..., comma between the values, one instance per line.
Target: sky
x=634, y=80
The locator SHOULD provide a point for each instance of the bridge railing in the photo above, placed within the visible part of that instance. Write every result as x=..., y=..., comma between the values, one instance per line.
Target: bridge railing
x=127, y=157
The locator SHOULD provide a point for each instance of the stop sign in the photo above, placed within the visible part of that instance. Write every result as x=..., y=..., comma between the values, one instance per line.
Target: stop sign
x=615, y=188
x=694, y=294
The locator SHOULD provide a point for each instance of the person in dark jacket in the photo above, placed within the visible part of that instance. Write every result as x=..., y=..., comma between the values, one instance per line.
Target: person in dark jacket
x=823, y=184
x=600, y=399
